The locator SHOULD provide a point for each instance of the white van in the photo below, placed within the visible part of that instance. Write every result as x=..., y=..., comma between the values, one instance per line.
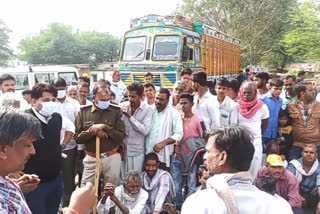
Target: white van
x=27, y=76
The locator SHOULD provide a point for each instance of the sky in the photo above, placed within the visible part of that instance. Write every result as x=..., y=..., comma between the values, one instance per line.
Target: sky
x=27, y=17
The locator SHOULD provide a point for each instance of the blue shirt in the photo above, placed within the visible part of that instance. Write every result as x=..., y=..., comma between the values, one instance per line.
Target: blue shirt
x=308, y=183
x=274, y=109
x=286, y=100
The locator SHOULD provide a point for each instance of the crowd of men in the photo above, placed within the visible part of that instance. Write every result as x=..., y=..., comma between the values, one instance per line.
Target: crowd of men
x=251, y=146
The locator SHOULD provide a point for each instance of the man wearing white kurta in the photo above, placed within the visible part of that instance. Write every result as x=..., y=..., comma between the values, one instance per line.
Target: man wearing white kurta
x=117, y=86
x=166, y=128
x=251, y=114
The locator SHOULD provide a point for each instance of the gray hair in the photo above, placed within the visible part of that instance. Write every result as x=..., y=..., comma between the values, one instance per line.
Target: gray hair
x=249, y=84
x=16, y=125
x=311, y=146
x=132, y=176
x=180, y=84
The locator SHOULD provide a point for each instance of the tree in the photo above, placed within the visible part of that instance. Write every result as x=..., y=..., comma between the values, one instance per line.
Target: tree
x=303, y=42
x=99, y=47
x=6, y=53
x=58, y=44
x=259, y=24
x=55, y=44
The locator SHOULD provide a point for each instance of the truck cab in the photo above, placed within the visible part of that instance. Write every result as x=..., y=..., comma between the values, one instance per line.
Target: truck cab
x=163, y=45
x=162, y=50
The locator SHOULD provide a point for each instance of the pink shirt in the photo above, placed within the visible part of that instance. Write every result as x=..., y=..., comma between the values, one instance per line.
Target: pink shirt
x=191, y=129
x=287, y=186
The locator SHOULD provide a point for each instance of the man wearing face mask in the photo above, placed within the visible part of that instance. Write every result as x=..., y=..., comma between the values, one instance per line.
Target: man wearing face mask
x=69, y=108
x=102, y=120
x=46, y=163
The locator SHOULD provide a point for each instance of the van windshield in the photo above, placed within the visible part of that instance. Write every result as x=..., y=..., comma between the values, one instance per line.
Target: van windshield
x=22, y=81
x=69, y=77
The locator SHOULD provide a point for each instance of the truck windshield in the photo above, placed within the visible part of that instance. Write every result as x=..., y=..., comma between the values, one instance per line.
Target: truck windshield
x=134, y=49
x=166, y=48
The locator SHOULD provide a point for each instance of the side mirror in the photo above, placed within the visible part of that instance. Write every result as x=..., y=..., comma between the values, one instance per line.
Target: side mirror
x=118, y=53
x=186, y=52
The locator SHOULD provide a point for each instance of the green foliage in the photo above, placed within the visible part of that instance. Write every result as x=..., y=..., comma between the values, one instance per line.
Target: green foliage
x=273, y=60
x=99, y=47
x=294, y=72
x=259, y=24
x=303, y=42
x=6, y=53
x=58, y=44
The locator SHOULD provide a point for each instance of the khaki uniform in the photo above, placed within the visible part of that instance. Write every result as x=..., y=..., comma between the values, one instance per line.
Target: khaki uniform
x=91, y=115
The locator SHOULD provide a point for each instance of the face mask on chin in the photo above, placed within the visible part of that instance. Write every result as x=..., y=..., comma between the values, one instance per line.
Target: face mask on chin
x=48, y=108
x=103, y=104
x=61, y=94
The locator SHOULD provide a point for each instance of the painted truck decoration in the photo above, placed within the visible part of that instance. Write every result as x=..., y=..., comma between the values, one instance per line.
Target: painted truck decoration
x=163, y=45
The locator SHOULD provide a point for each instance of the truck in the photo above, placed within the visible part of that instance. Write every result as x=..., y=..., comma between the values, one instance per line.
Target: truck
x=164, y=45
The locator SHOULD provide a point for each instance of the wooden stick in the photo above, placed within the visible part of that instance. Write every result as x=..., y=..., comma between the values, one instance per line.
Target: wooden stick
x=97, y=175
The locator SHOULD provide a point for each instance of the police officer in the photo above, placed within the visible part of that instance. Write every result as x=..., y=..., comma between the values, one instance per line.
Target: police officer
x=101, y=119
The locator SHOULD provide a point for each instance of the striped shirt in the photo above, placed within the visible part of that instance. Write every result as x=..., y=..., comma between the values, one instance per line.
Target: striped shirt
x=11, y=198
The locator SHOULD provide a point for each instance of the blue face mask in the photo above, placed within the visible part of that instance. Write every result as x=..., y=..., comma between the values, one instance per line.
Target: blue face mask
x=103, y=104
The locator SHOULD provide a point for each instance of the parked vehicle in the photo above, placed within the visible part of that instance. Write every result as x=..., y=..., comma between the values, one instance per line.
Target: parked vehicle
x=164, y=45
x=27, y=76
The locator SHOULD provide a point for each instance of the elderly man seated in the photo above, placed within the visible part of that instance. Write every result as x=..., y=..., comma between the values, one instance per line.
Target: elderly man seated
x=126, y=198
x=307, y=170
x=287, y=185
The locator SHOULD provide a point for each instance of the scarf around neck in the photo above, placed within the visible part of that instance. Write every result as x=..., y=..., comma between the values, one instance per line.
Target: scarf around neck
x=126, y=198
x=154, y=184
x=300, y=171
x=249, y=109
x=220, y=184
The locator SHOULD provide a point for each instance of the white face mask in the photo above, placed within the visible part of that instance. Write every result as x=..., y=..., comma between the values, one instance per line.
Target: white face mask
x=61, y=94
x=48, y=108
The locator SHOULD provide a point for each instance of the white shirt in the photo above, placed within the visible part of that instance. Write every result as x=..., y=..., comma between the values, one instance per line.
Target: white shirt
x=88, y=103
x=318, y=98
x=226, y=107
x=208, y=110
x=135, y=207
x=16, y=96
x=137, y=128
x=119, y=88
x=69, y=109
x=250, y=200
x=253, y=124
x=283, y=203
